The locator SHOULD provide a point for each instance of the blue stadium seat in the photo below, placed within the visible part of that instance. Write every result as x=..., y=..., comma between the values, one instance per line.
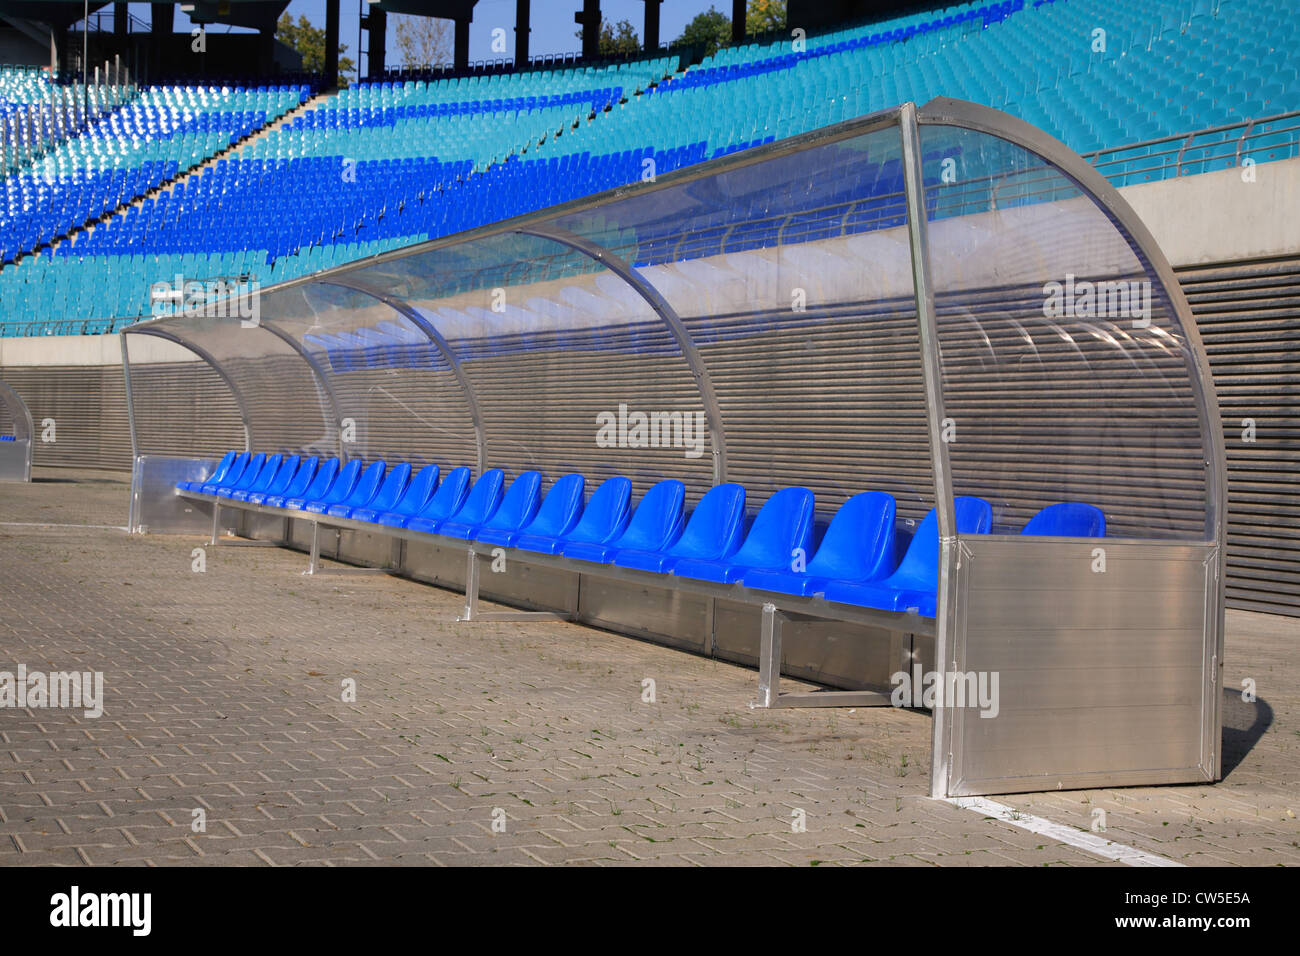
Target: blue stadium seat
x=382, y=498
x=413, y=496
x=319, y=487
x=218, y=474
x=231, y=475
x=913, y=585
x=479, y=505
x=302, y=480
x=603, y=520
x=270, y=468
x=1068, y=519
x=246, y=477
x=343, y=485
x=559, y=511
x=782, y=528
x=288, y=468
x=858, y=546
x=519, y=506
x=656, y=524
x=368, y=486
x=712, y=533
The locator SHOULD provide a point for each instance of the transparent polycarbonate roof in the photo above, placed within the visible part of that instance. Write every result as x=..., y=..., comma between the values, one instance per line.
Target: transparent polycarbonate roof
x=757, y=319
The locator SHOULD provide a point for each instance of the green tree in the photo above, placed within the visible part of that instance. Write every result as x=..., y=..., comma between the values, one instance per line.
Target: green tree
x=763, y=16
x=712, y=28
x=424, y=41
x=616, y=38
x=309, y=42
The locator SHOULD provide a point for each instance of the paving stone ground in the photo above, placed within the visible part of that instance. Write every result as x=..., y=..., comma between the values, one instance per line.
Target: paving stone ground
x=224, y=694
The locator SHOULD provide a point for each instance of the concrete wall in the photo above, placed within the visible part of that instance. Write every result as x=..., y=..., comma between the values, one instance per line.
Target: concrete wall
x=82, y=350
x=1223, y=216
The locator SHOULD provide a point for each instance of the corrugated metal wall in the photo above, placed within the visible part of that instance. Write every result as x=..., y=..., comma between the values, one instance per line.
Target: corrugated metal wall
x=863, y=427
x=1046, y=410
x=272, y=386
x=1249, y=317
x=184, y=409
x=541, y=396
x=88, y=405
x=414, y=412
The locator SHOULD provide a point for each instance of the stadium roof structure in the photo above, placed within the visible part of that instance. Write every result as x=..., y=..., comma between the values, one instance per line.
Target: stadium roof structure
x=942, y=303
x=263, y=14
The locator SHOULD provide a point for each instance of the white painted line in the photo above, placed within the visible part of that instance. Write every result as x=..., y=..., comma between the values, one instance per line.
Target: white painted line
x=1107, y=849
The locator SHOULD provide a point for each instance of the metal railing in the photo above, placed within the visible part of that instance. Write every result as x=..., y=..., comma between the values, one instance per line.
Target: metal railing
x=1204, y=150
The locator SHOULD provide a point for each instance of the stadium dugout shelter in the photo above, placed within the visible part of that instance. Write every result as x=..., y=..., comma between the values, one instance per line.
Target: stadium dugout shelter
x=15, y=436
x=911, y=407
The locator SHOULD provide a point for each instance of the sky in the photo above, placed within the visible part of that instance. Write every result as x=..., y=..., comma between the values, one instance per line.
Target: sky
x=553, y=24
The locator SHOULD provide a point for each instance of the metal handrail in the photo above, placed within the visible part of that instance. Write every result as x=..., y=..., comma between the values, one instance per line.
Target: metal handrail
x=1184, y=141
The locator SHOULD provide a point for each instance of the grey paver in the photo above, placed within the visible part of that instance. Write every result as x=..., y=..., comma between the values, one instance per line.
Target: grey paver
x=223, y=694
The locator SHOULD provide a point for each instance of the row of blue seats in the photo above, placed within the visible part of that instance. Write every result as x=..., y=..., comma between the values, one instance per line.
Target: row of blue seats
x=355, y=117
x=854, y=564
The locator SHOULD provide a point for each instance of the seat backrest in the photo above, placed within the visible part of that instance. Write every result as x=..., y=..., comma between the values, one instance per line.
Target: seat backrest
x=859, y=542
x=483, y=499
x=267, y=473
x=519, y=503
x=283, y=475
x=974, y=515
x=606, y=514
x=251, y=470
x=344, y=483
x=367, y=485
x=418, y=491
x=447, y=499
x=325, y=475
x=235, y=471
x=560, y=510
x=782, y=525
x=223, y=466
x=715, y=526
x=1068, y=519
x=658, y=519
x=302, y=477
x=921, y=562
x=394, y=486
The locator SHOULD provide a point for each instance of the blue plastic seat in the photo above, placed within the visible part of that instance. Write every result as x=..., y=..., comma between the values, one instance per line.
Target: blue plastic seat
x=367, y=488
x=557, y=515
x=319, y=487
x=518, y=507
x=913, y=585
x=413, y=496
x=246, y=477
x=858, y=546
x=302, y=480
x=217, y=477
x=656, y=524
x=343, y=486
x=479, y=505
x=603, y=520
x=263, y=480
x=288, y=468
x=782, y=526
x=713, y=532
x=1068, y=519
x=231, y=475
